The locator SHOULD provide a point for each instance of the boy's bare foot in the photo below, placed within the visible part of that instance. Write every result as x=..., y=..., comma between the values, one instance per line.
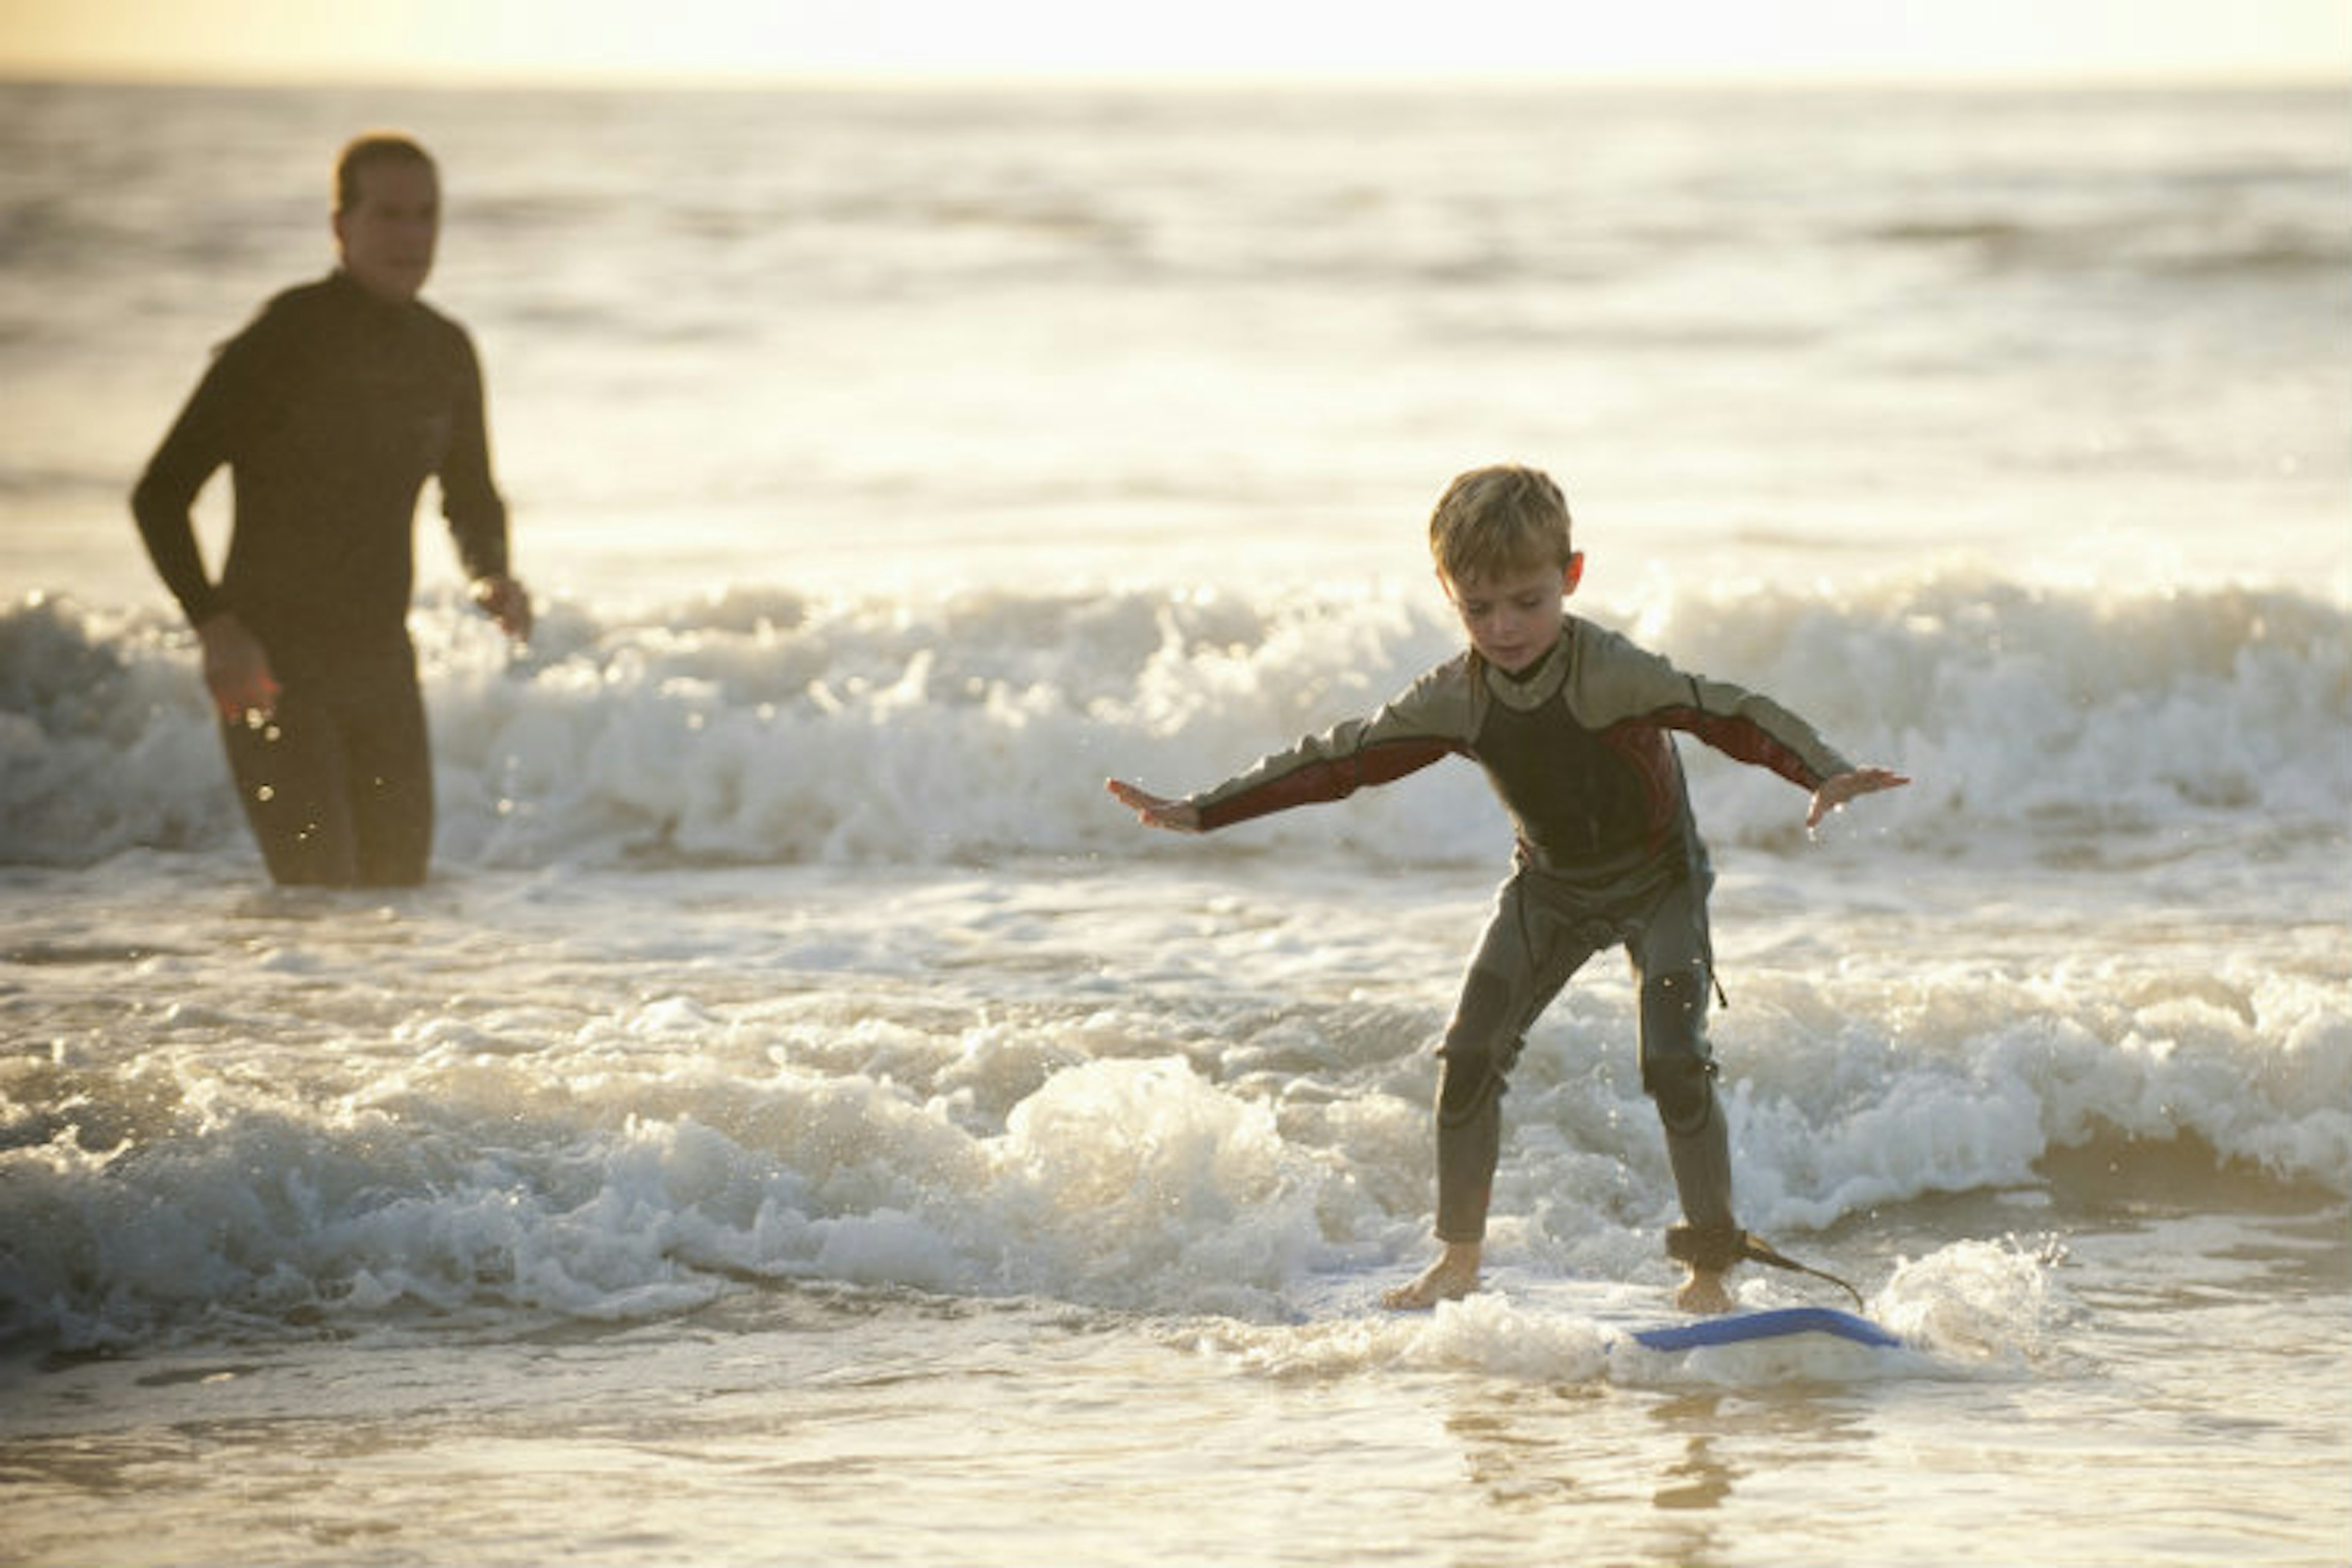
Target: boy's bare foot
x=1704, y=1292
x=1453, y=1276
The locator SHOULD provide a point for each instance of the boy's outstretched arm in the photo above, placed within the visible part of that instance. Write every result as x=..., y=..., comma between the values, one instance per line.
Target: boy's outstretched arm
x=1156, y=811
x=1835, y=791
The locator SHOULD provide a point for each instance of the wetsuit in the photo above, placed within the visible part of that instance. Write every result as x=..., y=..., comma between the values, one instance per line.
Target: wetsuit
x=331, y=409
x=1578, y=748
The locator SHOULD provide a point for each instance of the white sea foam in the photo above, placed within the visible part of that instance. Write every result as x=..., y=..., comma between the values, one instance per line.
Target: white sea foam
x=924, y=1034
x=934, y=1044
x=579, y=1119
x=772, y=727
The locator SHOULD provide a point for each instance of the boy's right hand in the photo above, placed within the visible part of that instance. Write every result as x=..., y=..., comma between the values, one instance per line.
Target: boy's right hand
x=1156, y=811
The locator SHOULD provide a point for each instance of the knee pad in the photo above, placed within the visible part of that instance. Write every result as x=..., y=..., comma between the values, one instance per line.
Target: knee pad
x=1476, y=1055
x=1684, y=1087
x=1676, y=1070
x=1674, y=1010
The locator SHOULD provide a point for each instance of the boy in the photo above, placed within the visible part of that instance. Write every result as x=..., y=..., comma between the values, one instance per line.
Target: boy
x=1571, y=723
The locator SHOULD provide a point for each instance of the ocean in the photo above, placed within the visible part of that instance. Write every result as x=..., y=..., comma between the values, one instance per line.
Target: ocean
x=803, y=1119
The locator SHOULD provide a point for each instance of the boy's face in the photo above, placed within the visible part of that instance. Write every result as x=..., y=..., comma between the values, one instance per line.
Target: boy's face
x=1514, y=618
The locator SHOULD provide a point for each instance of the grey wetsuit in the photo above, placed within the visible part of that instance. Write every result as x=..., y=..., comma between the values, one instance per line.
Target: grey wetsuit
x=1578, y=748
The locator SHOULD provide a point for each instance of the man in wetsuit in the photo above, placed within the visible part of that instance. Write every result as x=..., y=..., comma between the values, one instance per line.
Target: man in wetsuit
x=330, y=410
x=1571, y=723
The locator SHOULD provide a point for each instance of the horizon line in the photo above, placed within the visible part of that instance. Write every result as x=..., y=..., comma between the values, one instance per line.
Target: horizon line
x=818, y=78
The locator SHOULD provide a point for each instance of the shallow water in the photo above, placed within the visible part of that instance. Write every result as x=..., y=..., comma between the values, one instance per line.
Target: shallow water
x=588, y=1315
x=841, y=1428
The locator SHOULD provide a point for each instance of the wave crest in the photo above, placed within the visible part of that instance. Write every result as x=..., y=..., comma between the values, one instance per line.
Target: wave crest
x=764, y=725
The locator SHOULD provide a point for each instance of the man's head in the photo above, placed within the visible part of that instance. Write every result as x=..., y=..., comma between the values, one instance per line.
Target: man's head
x=1501, y=537
x=387, y=213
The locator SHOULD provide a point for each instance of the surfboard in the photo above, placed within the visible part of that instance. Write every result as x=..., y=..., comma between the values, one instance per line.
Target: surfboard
x=1735, y=1327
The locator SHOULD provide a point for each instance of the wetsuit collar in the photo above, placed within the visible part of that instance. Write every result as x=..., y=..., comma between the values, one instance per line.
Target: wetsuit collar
x=351, y=288
x=1540, y=681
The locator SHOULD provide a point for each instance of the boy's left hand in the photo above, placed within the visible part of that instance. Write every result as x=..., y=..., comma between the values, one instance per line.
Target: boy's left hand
x=1835, y=791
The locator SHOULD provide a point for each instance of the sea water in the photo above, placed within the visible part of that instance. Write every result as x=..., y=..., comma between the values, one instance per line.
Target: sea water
x=804, y=1120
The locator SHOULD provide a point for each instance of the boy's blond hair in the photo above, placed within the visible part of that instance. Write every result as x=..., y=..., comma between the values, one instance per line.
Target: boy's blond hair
x=1495, y=521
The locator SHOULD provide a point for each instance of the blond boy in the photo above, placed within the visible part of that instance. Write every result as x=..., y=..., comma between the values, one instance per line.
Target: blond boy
x=1571, y=724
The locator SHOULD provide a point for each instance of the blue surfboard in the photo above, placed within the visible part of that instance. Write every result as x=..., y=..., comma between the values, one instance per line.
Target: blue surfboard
x=1736, y=1327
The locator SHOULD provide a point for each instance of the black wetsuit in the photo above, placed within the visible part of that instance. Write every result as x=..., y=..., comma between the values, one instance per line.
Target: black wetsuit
x=331, y=409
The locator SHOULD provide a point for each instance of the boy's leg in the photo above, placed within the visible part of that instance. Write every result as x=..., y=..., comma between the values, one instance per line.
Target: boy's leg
x=1521, y=964
x=1670, y=967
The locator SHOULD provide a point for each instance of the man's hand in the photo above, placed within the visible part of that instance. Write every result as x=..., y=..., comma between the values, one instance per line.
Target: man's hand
x=236, y=669
x=1156, y=811
x=504, y=600
x=1834, y=792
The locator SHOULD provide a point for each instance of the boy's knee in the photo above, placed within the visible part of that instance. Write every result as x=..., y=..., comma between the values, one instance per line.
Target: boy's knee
x=1683, y=1089
x=1477, y=1052
x=1676, y=1070
x=1674, y=1007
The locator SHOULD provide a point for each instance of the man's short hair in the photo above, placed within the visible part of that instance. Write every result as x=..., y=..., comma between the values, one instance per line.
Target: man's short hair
x=1496, y=520
x=369, y=151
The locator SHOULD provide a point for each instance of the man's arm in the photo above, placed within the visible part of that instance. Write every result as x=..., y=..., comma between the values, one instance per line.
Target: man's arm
x=164, y=499
x=236, y=668
x=470, y=500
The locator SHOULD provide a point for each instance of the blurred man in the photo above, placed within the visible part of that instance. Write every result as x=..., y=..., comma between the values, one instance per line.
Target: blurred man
x=330, y=410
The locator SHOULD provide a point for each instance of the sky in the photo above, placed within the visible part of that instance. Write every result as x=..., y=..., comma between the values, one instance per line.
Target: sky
x=573, y=41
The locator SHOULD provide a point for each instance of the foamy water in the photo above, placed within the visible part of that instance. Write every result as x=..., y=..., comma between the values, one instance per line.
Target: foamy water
x=805, y=1118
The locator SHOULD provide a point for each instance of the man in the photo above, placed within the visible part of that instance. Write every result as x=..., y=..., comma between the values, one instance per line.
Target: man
x=330, y=410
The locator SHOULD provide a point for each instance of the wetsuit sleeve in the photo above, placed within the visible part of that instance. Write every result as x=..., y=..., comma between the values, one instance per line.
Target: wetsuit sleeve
x=469, y=499
x=1616, y=681
x=1429, y=720
x=197, y=443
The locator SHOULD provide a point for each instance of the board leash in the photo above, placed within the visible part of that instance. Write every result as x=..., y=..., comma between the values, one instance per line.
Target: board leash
x=1716, y=1248
x=1756, y=1249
